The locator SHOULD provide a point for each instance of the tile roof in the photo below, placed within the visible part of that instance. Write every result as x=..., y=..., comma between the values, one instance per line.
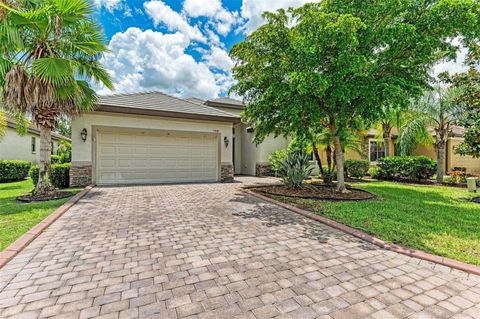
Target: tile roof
x=226, y=102
x=161, y=104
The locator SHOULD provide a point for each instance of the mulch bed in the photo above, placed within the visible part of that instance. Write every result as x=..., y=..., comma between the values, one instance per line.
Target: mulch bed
x=31, y=198
x=314, y=191
x=476, y=200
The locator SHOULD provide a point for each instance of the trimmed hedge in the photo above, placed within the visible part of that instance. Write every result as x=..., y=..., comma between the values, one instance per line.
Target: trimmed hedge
x=60, y=175
x=406, y=168
x=356, y=168
x=13, y=170
x=56, y=159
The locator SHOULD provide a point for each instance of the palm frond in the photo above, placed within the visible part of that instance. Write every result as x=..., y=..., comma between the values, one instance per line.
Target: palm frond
x=54, y=70
x=415, y=132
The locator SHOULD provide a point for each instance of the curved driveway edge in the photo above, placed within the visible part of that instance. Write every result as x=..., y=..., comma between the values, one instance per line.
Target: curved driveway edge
x=14, y=248
x=444, y=261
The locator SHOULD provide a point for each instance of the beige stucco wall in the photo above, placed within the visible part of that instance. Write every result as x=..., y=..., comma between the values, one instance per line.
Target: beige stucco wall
x=82, y=152
x=456, y=160
x=17, y=147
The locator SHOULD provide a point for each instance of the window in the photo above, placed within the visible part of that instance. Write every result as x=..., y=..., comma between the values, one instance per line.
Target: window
x=34, y=144
x=376, y=150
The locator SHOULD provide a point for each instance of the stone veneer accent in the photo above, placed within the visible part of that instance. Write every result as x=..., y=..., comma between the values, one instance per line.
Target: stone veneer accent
x=226, y=174
x=80, y=174
x=263, y=169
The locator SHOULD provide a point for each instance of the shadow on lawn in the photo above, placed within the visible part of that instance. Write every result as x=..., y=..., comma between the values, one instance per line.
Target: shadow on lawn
x=273, y=216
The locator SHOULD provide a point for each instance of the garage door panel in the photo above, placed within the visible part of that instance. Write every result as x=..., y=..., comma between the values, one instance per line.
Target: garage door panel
x=136, y=157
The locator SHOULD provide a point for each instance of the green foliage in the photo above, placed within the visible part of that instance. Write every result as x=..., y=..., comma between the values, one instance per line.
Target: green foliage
x=437, y=109
x=13, y=170
x=276, y=159
x=59, y=175
x=406, y=168
x=336, y=62
x=374, y=172
x=56, y=159
x=356, y=168
x=295, y=169
x=64, y=150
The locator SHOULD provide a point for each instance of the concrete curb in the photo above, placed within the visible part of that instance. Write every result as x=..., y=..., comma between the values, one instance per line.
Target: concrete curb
x=13, y=249
x=454, y=264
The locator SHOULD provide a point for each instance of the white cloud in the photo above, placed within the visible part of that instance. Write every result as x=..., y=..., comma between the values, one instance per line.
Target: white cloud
x=110, y=5
x=252, y=10
x=174, y=21
x=220, y=18
x=218, y=58
x=149, y=60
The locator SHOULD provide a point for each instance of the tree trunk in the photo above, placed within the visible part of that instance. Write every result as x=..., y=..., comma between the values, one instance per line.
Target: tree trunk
x=44, y=186
x=328, y=151
x=339, y=158
x=440, y=161
x=318, y=159
x=386, y=145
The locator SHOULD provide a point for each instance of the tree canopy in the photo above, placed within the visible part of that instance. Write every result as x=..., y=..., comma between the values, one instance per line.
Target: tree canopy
x=336, y=62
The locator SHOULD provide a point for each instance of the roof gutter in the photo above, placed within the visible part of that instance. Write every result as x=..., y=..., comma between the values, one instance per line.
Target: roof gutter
x=228, y=106
x=136, y=111
x=32, y=130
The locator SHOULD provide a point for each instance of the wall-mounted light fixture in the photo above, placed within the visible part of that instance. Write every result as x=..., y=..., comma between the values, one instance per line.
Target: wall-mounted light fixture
x=226, y=141
x=250, y=129
x=83, y=134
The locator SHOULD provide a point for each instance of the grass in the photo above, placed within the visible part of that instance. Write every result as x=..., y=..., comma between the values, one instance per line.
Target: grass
x=434, y=219
x=17, y=218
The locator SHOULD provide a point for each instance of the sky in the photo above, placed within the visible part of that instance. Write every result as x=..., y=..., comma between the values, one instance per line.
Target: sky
x=180, y=47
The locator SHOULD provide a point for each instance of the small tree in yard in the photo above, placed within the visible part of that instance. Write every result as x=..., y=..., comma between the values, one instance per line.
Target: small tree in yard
x=334, y=62
x=49, y=55
x=437, y=111
x=468, y=84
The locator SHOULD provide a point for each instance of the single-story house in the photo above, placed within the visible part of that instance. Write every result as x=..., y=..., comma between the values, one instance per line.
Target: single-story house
x=14, y=146
x=372, y=149
x=152, y=137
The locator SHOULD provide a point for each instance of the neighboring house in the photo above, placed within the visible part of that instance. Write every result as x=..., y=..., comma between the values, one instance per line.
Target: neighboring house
x=156, y=138
x=14, y=146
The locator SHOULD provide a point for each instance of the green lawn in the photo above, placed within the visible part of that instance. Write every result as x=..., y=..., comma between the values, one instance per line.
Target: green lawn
x=435, y=219
x=17, y=218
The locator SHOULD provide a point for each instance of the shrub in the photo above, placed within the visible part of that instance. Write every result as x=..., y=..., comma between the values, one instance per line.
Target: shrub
x=406, y=168
x=65, y=152
x=60, y=175
x=456, y=176
x=295, y=169
x=56, y=159
x=356, y=168
x=12, y=171
x=329, y=176
x=275, y=159
x=374, y=172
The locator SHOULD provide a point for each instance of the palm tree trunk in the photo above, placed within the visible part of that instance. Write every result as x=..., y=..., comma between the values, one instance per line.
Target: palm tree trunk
x=318, y=159
x=440, y=162
x=44, y=186
x=386, y=145
x=328, y=151
x=339, y=158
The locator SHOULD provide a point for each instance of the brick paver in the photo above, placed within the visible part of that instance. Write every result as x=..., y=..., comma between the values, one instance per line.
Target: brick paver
x=211, y=251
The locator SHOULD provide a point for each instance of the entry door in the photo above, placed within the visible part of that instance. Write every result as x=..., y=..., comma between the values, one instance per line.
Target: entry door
x=135, y=157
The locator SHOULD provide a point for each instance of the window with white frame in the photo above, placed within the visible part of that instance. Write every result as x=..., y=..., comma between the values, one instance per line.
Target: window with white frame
x=375, y=150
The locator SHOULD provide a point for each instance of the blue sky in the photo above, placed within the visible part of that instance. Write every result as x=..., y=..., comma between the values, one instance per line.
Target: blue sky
x=180, y=47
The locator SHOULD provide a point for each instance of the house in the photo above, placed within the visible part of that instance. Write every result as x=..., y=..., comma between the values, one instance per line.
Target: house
x=372, y=149
x=14, y=146
x=152, y=137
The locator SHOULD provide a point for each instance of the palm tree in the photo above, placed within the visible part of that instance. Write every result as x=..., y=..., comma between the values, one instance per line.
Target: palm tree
x=391, y=117
x=49, y=56
x=436, y=110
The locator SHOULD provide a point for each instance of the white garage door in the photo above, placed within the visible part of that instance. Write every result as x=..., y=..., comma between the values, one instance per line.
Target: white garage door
x=126, y=157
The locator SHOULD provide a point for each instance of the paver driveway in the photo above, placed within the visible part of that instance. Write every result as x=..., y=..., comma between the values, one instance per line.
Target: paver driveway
x=210, y=251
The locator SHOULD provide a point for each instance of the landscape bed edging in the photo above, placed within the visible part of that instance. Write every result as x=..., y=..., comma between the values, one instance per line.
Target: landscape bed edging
x=444, y=261
x=17, y=246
